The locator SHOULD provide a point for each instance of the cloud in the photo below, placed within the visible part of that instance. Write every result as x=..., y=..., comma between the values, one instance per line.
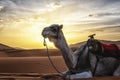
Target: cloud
x=72, y=11
x=8, y=9
x=1, y=7
x=105, y=8
x=104, y=14
x=106, y=28
x=17, y=8
x=23, y=8
x=7, y=5
x=22, y=19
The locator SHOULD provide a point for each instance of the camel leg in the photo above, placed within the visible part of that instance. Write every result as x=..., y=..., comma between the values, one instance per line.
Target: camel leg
x=117, y=71
x=85, y=74
x=65, y=73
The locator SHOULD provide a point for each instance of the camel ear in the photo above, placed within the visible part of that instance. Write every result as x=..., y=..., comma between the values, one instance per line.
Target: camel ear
x=61, y=26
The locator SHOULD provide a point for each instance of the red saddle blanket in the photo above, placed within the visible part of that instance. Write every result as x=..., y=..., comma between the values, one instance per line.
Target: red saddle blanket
x=110, y=50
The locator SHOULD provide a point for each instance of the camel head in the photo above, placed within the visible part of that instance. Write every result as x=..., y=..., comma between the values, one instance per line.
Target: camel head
x=52, y=32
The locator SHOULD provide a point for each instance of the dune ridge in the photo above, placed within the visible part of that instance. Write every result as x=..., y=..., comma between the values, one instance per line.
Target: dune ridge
x=6, y=51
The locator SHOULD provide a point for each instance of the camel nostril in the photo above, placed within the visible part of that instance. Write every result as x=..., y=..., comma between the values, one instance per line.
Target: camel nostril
x=45, y=33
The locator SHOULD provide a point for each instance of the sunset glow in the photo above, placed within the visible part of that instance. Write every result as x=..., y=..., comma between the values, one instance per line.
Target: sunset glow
x=22, y=21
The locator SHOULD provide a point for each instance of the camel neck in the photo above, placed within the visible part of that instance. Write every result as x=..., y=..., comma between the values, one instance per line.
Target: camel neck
x=67, y=53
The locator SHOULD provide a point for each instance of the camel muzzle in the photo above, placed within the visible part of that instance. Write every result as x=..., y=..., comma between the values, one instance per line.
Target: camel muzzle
x=45, y=33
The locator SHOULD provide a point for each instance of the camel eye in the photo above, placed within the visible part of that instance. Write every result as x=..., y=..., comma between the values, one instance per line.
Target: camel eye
x=53, y=29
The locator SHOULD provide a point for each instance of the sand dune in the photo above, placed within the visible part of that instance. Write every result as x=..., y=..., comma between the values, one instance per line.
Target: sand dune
x=7, y=51
x=30, y=65
x=29, y=53
x=4, y=47
x=36, y=61
x=3, y=54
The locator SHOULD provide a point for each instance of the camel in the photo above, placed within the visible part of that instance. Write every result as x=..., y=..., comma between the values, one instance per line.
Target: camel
x=83, y=66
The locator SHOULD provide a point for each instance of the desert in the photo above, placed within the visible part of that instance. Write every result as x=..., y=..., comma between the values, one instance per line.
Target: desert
x=21, y=64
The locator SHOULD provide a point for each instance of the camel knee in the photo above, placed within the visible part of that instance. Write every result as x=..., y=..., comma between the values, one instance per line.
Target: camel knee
x=117, y=72
x=86, y=74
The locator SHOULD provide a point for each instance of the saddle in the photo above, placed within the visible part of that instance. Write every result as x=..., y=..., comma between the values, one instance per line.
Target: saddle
x=105, y=50
x=110, y=50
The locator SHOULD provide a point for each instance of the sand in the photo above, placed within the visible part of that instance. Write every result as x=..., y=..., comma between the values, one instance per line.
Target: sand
x=31, y=64
x=34, y=64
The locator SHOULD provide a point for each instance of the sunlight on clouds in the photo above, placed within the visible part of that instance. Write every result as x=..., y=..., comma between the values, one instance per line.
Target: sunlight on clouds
x=26, y=30
x=21, y=22
x=48, y=7
x=26, y=33
x=53, y=6
x=1, y=7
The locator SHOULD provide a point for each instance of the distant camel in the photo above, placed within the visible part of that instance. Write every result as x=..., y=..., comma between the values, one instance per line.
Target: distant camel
x=80, y=67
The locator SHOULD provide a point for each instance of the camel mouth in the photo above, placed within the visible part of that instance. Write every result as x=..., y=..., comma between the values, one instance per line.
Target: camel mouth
x=48, y=33
x=51, y=31
x=45, y=34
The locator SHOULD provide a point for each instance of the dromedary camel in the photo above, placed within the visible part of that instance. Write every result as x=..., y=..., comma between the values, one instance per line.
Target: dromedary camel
x=80, y=67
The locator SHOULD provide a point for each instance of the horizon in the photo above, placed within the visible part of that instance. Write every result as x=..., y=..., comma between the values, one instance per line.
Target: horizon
x=22, y=21
x=104, y=41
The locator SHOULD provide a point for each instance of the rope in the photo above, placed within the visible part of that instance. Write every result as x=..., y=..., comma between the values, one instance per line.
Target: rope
x=53, y=65
x=48, y=54
x=97, y=58
x=96, y=64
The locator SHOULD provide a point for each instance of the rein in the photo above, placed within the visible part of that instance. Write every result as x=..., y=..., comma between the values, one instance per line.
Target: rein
x=53, y=65
x=48, y=54
x=97, y=59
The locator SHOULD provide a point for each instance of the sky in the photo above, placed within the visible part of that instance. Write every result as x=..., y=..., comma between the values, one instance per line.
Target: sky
x=22, y=21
